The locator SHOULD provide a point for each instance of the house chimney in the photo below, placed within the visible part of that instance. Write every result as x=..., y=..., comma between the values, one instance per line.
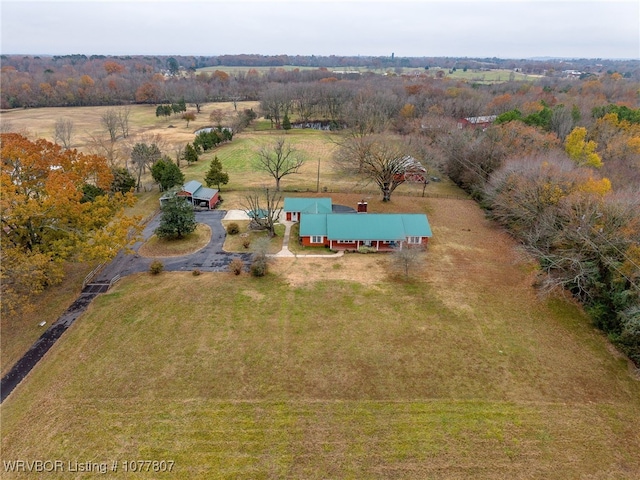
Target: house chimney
x=362, y=207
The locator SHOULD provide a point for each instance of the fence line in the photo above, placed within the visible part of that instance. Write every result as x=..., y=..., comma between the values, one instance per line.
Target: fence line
x=449, y=196
x=92, y=274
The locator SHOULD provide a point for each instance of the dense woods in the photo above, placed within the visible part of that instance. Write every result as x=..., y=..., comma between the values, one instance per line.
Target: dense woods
x=558, y=163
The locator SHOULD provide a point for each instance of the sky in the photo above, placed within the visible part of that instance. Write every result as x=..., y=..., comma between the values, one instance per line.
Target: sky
x=405, y=28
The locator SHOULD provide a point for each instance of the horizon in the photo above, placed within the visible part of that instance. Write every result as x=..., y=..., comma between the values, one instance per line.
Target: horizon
x=529, y=29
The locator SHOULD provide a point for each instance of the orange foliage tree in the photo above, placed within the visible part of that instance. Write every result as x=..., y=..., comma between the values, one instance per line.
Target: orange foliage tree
x=56, y=206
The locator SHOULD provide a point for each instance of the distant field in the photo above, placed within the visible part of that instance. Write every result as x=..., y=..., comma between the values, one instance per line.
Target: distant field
x=474, y=75
x=331, y=368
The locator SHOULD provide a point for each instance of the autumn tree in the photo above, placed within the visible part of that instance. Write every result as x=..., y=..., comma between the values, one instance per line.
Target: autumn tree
x=188, y=117
x=279, y=160
x=63, y=132
x=584, y=235
x=581, y=150
x=215, y=175
x=45, y=220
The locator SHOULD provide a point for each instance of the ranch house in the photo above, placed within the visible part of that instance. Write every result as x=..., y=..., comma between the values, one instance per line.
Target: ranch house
x=350, y=231
x=197, y=195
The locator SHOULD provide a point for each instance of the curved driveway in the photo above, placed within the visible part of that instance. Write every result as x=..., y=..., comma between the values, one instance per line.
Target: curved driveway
x=211, y=258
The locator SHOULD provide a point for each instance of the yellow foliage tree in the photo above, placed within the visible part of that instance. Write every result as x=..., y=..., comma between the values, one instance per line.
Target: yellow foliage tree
x=48, y=218
x=592, y=185
x=580, y=150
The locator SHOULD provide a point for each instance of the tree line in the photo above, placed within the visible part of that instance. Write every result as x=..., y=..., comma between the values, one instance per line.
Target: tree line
x=78, y=80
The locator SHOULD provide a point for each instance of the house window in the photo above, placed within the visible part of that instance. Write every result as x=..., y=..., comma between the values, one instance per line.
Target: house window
x=317, y=239
x=413, y=240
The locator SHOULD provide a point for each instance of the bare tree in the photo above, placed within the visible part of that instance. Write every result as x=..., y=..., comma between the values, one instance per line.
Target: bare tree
x=264, y=215
x=143, y=156
x=406, y=259
x=279, y=160
x=63, y=132
x=123, y=120
x=178, y=150
x=105, y=148
x=217, y=115
x=379, y=159
x=110, y=122
x=196, y=95
x=276, y=102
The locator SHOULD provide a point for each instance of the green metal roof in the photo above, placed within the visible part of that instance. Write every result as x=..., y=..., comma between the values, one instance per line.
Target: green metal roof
x=313, y=224
x=366, y=226
x=307, y=205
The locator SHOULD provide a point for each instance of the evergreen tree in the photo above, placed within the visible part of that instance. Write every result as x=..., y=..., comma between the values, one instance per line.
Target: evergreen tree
x=178, y=219
x=215, y=175
x=123, y=181
x=166, y=173
x=286, y=123
x=190, y=154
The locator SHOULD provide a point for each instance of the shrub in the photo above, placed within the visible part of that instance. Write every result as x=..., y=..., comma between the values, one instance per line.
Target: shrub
x=259, y=268
x=196, y=272
x=156, y=267
x=233, y=229
x=366, y=250
x=236, y=266
x=246, y=243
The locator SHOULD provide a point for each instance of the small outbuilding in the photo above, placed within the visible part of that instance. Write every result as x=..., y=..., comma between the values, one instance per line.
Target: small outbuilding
x=196, y=194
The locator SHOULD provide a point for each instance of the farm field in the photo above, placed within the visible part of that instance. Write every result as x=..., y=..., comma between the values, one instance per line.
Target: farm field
x=327, y=367
x=332, y=368
x=474, y=75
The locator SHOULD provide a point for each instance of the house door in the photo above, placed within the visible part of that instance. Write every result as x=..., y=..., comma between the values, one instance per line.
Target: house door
x=294, y=216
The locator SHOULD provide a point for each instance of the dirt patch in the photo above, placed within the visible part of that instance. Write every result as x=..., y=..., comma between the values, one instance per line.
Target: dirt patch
x=365, y=269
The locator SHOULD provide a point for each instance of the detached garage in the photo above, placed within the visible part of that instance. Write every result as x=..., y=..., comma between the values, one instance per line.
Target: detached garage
x=197, y=195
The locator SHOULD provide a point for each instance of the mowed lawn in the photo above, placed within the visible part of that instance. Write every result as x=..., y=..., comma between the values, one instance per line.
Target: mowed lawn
x=334, y=368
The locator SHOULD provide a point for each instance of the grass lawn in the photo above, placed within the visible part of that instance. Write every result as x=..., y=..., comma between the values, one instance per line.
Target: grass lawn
x=160, y=247
x=330, y=368
x=236, y=243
